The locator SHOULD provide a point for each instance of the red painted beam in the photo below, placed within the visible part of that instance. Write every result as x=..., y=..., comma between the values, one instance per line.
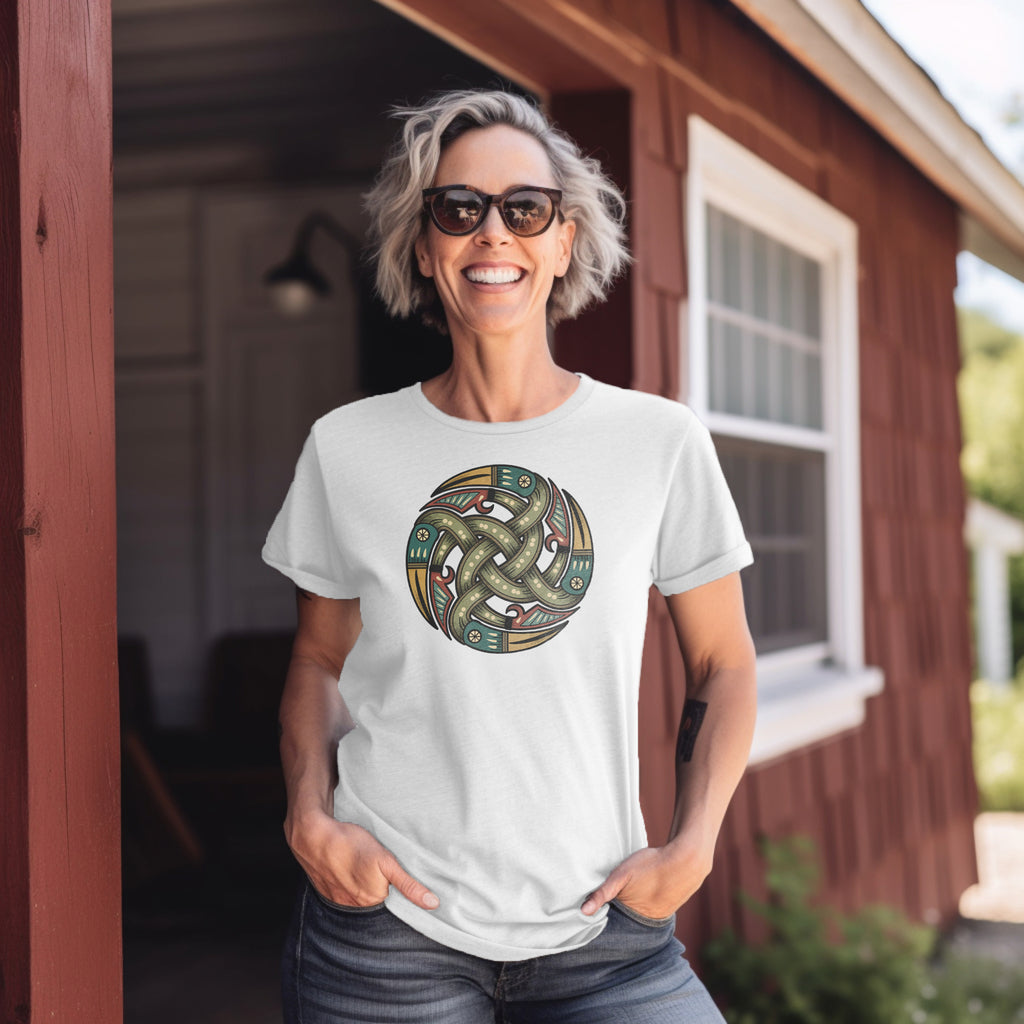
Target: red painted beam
x=60, y=929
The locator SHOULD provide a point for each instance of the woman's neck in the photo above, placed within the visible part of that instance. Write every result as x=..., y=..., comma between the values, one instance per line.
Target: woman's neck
x=494, y=382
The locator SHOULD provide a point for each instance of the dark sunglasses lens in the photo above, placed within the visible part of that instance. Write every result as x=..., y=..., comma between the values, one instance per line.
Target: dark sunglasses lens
x=527, y=212
x=456, y=210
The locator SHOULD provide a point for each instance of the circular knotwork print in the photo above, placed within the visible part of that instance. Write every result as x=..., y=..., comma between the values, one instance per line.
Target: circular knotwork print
x=499, y=558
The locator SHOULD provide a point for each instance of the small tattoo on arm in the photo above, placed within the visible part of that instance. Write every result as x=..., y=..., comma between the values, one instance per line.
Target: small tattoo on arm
x=693, y=718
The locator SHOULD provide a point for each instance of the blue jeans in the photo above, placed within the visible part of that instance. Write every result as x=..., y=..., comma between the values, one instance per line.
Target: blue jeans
x=347, y=965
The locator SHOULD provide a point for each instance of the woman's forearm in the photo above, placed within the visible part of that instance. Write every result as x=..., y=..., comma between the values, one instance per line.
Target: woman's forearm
x=715, y=734
x=313, y=718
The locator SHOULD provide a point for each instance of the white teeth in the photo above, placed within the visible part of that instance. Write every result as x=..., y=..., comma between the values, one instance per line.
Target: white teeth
x=494, y=275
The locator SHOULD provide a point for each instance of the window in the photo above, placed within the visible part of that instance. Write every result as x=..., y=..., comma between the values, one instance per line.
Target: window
x=771, y=324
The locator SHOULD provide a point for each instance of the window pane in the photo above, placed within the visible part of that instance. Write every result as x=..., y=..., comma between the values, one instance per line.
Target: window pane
x=716, y=367
x=812, y=299
x=733, y=367
x=780, y=494
x=762, y=284
x=784, y=355
x=812, y=381
x=762, y=378
x=764, y=325
x=784, y=304
x=714, y=250
x=732, y=233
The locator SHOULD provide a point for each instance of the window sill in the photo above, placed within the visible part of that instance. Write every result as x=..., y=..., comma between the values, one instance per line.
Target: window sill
x=809, y=703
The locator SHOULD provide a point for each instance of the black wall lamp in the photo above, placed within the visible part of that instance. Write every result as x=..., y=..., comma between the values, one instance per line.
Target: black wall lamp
x=393, y=352
x=296, y=284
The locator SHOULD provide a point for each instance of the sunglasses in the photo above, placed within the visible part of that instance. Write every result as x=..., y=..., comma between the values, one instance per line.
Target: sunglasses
x=526, y=210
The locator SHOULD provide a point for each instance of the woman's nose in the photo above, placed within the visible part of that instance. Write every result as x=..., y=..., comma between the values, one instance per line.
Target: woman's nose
x=492, y=228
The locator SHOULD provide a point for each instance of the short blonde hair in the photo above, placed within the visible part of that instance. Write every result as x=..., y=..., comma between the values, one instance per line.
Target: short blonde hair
x=395, y=203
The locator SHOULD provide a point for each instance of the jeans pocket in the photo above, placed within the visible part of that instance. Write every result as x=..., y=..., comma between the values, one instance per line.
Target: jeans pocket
x=649, y=922
x=344, y=908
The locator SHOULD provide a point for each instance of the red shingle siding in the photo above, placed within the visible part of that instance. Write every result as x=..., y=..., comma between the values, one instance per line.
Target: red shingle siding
x=891, y=804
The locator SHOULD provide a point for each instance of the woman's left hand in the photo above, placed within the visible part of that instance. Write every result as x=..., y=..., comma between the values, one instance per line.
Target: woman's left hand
x=655, y=881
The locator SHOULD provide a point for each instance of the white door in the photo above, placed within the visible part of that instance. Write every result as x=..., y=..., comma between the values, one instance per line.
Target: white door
x=270, y=376
x=215, y=393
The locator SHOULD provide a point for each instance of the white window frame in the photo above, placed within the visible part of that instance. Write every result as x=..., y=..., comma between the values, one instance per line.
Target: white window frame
x=806, y=693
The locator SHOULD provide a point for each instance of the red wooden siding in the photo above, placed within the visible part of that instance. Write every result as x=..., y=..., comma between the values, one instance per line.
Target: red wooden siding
x=60, y=920
x=891, y=804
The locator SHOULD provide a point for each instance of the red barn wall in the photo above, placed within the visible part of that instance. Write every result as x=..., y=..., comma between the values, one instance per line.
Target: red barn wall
x=890, y=804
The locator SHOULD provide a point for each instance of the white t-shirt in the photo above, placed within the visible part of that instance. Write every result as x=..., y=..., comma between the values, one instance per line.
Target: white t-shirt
x=503, y=572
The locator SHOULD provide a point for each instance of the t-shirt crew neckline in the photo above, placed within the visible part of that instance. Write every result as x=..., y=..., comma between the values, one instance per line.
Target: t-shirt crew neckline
x=583, y=391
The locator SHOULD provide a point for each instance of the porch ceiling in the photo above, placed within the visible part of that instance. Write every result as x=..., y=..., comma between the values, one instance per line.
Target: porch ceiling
x=225, y=89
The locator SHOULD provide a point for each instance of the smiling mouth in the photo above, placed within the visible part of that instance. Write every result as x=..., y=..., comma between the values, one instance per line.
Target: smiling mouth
x=493, y=275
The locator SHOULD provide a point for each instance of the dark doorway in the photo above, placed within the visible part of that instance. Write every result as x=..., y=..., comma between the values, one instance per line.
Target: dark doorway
x=230, y=124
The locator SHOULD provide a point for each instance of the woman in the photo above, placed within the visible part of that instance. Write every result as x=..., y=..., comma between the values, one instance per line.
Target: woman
x=473, y=558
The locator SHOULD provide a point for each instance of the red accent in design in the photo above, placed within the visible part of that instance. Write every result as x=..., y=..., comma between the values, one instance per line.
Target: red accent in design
x=479, y=502
x=441, y=614
x=556, y=539
x=522, y=615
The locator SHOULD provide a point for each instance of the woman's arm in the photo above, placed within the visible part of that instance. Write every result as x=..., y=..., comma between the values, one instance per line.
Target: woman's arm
x=343, y=860
x=717, y=725
x=715, y=735
x=313, y=717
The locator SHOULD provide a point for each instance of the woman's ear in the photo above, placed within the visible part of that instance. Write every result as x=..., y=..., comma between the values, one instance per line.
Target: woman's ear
x=422, y=251
x=566, y=233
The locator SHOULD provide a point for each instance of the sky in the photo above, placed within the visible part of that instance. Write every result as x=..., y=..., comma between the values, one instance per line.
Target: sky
x=973, y=50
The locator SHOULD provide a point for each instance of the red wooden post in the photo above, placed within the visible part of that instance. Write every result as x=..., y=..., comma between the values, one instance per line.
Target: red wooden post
x=60, y=924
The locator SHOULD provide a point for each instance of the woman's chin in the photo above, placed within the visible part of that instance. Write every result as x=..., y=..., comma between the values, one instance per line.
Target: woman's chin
x=495, y=326
x=498, y=322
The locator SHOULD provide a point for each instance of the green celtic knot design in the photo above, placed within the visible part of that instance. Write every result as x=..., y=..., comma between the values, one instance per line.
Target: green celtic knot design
x=499, y=581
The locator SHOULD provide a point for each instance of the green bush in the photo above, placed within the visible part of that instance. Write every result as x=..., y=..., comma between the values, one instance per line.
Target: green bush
x=969, y=990
x=821, y=967
x=802, y=976
x=997, y=714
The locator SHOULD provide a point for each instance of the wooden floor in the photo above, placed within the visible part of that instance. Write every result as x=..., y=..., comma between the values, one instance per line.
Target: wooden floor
x=206, y=978
x=202, y=945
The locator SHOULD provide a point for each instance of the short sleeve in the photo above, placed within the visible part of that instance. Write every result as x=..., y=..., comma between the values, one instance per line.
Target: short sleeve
x=701, y=537
x=302, y=542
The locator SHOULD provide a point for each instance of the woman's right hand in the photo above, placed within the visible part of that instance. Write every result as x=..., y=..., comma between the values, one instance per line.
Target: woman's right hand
x=347, y=864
